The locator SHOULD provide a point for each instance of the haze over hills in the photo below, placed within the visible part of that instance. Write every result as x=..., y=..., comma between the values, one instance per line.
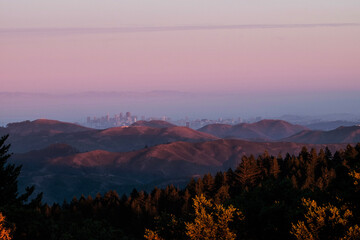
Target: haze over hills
x=96, y=171
x=339, y=135
x=263, y=130
x=74, y=106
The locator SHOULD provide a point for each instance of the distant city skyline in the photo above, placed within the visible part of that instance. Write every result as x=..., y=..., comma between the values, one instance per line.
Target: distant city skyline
x=176, y=105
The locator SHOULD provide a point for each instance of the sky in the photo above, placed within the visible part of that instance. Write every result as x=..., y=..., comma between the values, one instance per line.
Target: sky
x=202, y=46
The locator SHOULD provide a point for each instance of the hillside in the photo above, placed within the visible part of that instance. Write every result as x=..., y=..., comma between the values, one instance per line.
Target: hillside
x=217, y=153
x=99, y=170
x=263, y=130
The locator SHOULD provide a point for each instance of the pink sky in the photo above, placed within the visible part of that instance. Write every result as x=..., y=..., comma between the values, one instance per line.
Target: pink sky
x=277, y=59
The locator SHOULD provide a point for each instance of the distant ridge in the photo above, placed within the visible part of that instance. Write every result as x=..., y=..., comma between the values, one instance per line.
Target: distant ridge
x=43, y=126
x=34, y=135
x=264, y=130
x=338, y=135
x=331, y=125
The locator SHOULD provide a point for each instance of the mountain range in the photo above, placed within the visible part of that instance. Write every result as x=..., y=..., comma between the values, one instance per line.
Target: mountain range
x=63, y=159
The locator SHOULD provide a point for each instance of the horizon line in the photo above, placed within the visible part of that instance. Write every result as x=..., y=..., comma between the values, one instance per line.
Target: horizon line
x=62, y=93
x=169, y=28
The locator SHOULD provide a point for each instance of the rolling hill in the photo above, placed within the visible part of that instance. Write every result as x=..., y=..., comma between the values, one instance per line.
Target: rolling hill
x=217, y=153
x=61, y=172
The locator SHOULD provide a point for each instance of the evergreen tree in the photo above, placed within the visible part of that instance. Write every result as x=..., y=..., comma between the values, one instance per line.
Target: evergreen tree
x=325, y=222
x=211, y=221
x=9, y=174
x=5, y=232
x=274, y=168
x=247, y=173
x=186, y=202
x=310, y=166
x=209, y=184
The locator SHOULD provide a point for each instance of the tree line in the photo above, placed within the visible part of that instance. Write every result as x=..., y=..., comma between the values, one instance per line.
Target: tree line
x=311, y=195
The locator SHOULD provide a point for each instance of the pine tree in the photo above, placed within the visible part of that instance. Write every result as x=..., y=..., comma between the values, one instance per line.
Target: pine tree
x=199, y=186
x=208, y=182
x=325, y=222
x=186, y=199
x=220, y=180
x=5, y=232
x=274, y=168
x=211, y=221
x=222, y=194
x=9, y=174
x=310, y=166
x=328, y=154
x=247, y=173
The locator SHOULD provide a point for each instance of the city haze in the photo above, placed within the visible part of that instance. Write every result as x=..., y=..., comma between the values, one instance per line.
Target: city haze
x=177, y=105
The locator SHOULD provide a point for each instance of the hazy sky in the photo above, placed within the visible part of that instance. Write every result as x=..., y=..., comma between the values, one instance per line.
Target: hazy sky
x=115, y=45
x=322, y=57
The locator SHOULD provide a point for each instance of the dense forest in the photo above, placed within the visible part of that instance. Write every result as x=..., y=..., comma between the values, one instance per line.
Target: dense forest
x=313, y=195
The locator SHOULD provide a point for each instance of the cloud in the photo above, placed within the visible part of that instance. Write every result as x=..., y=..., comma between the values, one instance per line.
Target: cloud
x=169, y=28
